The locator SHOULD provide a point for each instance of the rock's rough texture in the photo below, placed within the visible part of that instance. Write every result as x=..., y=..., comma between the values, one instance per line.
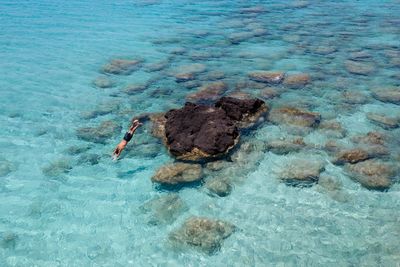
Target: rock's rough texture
x=176, y=173
x=294, y=116
x=384, y=121
x=5, y=167
x=219, y=186
x=244, y=111
x=297, y=80
x=352, y=156
x=121, y=66
x=99, y=134
x=202, y=233
x=285, y=146
x=197, y=131
x=209, y=92
x=270, y=77
x=359, y=68
x=164, y=209
x=301, y=172
x=372, y=174
x=158, y=127
x=390, y=95
x=184, y=77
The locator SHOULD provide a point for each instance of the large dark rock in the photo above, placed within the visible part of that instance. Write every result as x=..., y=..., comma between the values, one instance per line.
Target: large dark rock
x=197, y=132
x=245, y=111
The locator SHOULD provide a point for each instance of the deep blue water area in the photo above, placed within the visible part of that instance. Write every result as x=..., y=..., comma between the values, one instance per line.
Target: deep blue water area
x=64, y=202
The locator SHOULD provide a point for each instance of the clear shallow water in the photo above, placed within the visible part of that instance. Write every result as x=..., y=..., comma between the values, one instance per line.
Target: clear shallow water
x=51, y=51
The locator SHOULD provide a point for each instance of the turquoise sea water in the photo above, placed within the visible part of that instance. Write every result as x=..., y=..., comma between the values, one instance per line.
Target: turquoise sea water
x=60, y=207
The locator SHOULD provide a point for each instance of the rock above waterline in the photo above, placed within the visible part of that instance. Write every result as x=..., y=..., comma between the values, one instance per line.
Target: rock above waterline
x=177, y=173
x=121, y=66
x=294, y=116
x=204, y=234
x=390, y=95
x=197, y=132
x=270, y=77
x=244, y=111
x=372, y=174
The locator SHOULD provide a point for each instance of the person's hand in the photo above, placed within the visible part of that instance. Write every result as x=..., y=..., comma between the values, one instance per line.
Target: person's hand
x=116, y=153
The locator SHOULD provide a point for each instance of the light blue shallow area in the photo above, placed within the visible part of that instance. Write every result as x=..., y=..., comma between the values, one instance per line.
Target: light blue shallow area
x=52, y=51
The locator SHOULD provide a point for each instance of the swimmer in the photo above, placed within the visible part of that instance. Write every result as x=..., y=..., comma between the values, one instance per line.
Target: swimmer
x=127, y=138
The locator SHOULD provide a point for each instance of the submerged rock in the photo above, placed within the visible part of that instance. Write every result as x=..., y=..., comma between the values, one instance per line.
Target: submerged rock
x=57, y=168
x=176, y=173
x=270, y=77
x=390, y=95
x=384, y=121
x=355, y=97
x=219, y=186
x=269, y=93
x=121, y=66
x=133, y=89
x=372, y=174
x=294, y=116
x=359, y=68
x=209, y=92
x=352, y=156
x=6, y=167
x=99, y=134
x=285, y=146
x=301, y=172
x=184, y=77
x=89, y=158
x=103, y=82
x=164, y=209
x=8, y=240
x=158, y=126
x=297, y=80
x=75, y=150
x=204, y=234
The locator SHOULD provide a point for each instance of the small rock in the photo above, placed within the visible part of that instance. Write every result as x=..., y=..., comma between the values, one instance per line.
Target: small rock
x=267, y=77
x=164, y=209
x=372, y=174
x=359, y=68
x=390, y=95
x=384, y=121
x=89, y=158
x=6, y=167
x=202, y=233
x=374, y=138
x=238, y=37
x=301, y=172
x=215, y=75
x=297, y=80
x=210, y=92
x=8, y=240
x=57, y=168
x=121, y=66
x=285, y=146
x=269, y=93
x=158, y=127
x=219, y=186
x=157, y=66
x=100, y=134
x=176, y=173
x=294, y=116
x=216, y=165
x=103, y=82
x=75, y=150
x=352, y=156
x=359, y=56
x=133, y=89
x=355, y=97
x=184, y=77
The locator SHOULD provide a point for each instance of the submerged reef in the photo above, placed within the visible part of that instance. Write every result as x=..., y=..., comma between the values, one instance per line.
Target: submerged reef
x=204, y=234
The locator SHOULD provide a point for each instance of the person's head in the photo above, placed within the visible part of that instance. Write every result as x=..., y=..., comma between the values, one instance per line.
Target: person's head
x=135, y=122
